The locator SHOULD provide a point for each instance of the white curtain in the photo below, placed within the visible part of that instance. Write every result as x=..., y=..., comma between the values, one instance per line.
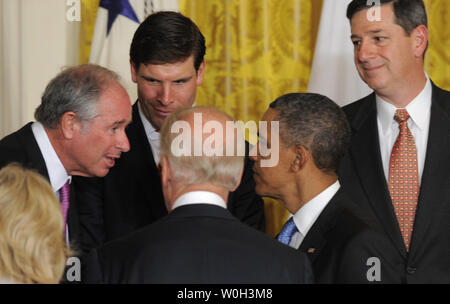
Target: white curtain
x=36, y=42
x=333, y=72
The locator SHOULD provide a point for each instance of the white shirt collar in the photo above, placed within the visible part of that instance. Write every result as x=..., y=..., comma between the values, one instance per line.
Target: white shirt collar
x=418, y=109
x=150, y=130
x=305, y=217
x=57, y=173
x=199, y=197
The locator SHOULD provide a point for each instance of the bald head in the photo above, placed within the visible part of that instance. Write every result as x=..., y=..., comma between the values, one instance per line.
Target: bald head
x=201, y=149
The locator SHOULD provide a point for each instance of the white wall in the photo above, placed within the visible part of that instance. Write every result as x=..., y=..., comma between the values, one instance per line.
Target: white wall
x=36, y=42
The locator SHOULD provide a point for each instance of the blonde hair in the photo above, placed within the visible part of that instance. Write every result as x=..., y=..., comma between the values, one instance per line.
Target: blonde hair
x=223, y=171
x=32, y=244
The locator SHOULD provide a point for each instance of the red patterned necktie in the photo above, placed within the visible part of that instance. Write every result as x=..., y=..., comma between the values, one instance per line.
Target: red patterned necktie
x=404, y=177
x=64, y=197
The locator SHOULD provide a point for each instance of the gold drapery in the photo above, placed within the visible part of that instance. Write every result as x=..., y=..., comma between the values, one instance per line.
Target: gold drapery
x=89, y=10
x=437, y=62
x=260, y=49
x=255, y=52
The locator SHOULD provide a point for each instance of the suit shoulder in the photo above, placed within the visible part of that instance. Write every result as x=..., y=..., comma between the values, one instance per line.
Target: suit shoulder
x=347, y=222
x=441, y=91
x=353, y=108
x=350, y=221
x=273, y=247
x=12, y=148
x=10, y=141
x=353, y=228
x=268, y=250
x=442, y=98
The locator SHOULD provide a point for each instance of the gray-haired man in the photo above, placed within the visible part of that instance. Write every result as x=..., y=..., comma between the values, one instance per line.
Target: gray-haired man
x=80, y=130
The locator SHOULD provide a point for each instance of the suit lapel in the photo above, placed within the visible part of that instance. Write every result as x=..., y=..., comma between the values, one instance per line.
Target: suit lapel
x=141, y=161
x=434, y=185
x=140, y=147
x=73, y=221
x=314, y=241
x=365, y=152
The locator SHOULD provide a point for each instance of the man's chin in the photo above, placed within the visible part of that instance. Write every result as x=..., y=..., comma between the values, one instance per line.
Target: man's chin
x=259, y=191
x=102, y=173
x=157, y=121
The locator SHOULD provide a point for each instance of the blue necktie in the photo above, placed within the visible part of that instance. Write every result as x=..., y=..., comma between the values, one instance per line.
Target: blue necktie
x=289, y=229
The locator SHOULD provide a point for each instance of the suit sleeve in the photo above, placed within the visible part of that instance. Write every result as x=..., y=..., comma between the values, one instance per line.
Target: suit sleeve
x=92, y=273
x=370, y=258
x=244, y=203
x=90, y=209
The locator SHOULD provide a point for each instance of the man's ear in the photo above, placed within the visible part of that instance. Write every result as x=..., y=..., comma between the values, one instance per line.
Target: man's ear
x=201, y=72
x=166, y=171
x=301, y=157
x=134, y=71
x=166, y=178
x=420, y=41
x=70, y=124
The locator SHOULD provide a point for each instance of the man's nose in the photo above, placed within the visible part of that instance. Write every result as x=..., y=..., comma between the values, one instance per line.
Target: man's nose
x=365, y=51
x=123, y=143
x=166, y=94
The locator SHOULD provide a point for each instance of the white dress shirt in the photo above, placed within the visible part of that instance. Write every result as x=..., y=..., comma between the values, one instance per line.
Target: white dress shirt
x=56, y=171
x=199, y=197
x=154, y=138
x=419, y=110
x=307, y=215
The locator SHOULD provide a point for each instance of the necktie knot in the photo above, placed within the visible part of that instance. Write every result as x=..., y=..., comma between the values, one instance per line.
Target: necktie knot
x=289, y=229
x=401, y=115
x=65, y=190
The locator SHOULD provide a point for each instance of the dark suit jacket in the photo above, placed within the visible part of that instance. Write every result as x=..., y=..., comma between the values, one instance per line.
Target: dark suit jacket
x=361, y=174
x=198, y=244
x=339, y=245
x=21, y=147
x=130, y=196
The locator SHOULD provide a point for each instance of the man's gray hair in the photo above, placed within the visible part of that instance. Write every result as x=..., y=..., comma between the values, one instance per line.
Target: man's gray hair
x=223, y=171
x=75, y=89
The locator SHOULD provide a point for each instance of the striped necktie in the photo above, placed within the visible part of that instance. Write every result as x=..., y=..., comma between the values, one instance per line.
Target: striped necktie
x=64, y=197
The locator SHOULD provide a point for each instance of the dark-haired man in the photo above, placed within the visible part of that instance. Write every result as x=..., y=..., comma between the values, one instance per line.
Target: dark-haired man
x=167, y=64
x=397, y=167
x=313, y=137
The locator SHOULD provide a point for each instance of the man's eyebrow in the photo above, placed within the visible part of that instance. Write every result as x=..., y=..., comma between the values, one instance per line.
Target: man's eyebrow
x=370, y=32
x=148, y=78
x=119, y=122
x=183, y=79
